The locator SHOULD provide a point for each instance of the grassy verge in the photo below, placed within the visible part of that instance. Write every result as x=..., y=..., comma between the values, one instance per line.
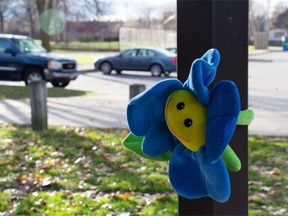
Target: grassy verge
x=78, y=171
x=86, y=171
x=87, y=46
x=22, y=92
x=268, y=179
x=82, y=58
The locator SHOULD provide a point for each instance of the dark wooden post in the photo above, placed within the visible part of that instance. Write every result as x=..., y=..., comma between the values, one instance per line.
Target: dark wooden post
x=202, y=25
x=38, y=101
x=136, y=89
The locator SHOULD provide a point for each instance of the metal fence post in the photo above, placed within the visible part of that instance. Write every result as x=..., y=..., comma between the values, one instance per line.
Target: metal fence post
x=38, y=101
x=202, y=25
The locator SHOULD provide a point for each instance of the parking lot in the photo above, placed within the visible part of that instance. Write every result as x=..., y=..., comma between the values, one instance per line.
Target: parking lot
x=268, y=92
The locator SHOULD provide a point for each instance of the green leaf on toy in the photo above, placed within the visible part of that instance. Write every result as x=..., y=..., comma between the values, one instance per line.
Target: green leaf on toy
x=231, y=160
x=245, y=117
x=134, y=144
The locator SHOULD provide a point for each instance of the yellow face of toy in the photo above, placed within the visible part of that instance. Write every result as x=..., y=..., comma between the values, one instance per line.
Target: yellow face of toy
x=186, y=119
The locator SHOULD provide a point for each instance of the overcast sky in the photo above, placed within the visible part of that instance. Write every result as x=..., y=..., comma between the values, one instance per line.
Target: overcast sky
x=125, y=9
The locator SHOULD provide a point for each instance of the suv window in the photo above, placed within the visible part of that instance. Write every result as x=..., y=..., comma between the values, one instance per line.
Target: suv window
x=4, y=45
x=28, y=46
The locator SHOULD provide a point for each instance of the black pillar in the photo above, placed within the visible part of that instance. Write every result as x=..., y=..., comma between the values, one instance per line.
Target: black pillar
x=220, y=24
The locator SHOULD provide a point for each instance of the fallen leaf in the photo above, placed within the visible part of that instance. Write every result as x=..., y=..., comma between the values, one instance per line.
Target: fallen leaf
x=38, y=177
x=124, y=196
x=22, y=177
x=124, y=133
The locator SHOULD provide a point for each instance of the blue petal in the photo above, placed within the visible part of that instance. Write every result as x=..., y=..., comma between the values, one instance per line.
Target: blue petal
x=158, y=140
x=148, y=107
x=212, y=57
x=202, y=73
x=184, y=174
x=222, y=114
x=192, y=176
x=216, y=178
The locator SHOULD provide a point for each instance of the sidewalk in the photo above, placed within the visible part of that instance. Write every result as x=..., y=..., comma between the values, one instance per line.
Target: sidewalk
x=253, y=52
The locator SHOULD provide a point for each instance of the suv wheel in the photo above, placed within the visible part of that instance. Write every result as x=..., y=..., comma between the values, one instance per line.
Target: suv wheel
x=33, y=75
x=156, y=70
x=106, y=67
x=60, y=84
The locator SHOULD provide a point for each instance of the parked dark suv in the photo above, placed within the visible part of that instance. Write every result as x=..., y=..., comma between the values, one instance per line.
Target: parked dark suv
x=21, y=59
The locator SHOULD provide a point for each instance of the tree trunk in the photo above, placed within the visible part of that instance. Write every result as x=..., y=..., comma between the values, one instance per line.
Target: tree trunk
x=1, y=23
x=45, y=40
x=43, y=5
x=31, y=21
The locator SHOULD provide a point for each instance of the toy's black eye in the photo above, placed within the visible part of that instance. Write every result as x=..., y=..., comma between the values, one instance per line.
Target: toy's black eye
x=188, y=122
x=180, y=105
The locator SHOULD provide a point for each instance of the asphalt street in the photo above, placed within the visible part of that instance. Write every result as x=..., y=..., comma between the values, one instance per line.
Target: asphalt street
x=268, y=93
x=268, y=97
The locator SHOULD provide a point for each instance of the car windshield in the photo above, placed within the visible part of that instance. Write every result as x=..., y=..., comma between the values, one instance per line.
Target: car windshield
x=29, y=46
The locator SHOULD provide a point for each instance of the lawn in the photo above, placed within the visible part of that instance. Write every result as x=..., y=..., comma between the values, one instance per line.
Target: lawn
x=86, y=171
x=22, y=92
x=84, y=46
x=268, y=178
x=82, y=58
x=83, y=171
x=87, y=46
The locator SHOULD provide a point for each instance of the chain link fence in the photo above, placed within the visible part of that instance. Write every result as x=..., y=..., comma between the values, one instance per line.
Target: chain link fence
x=131, y=37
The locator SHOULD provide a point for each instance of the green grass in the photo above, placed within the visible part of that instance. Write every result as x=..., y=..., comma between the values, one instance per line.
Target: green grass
x=78, y=171
x=251, y=47
x=88, y=46
x=86, y=171
x=22, y=92
x=268, y=179
x=85, y=46
x=86, y=58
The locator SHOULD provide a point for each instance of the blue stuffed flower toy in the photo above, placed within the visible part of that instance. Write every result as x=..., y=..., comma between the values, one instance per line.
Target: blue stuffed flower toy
x=191, y=126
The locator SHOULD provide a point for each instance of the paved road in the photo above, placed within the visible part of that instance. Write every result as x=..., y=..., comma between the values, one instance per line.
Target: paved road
x=268, y=96
x=268, y=93
x=105, y=109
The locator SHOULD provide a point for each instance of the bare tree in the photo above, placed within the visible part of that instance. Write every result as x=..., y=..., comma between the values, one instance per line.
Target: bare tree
x=4, y=5
x=147, y=16
x=30, y=16
x=257, y=19
x=97, y=8
x=282, y=20
x=43, y=5
x=169, y=17
x=279, y=10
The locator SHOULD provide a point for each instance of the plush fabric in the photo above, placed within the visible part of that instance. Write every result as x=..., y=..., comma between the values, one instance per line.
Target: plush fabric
x=194, y=124
x=192, y=176
x=202, y=73
x=223, y=111
x=245, y=117
x=231, y=160
x=134, y=144
x=189, y=127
